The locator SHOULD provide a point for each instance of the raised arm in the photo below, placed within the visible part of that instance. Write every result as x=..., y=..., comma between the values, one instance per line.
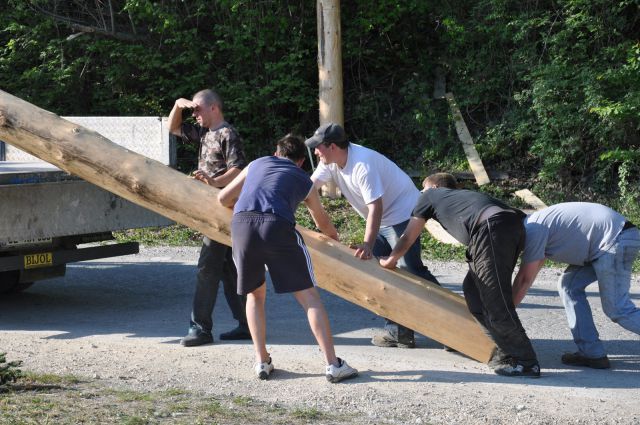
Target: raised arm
x=524, y=279
x=175, y=116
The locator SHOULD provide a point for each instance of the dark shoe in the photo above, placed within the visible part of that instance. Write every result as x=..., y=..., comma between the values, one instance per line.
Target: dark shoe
x=497, y=358
x=196, y=337
x=386, y=339
x=513, y=368
x=238, y=333
x=577, y=359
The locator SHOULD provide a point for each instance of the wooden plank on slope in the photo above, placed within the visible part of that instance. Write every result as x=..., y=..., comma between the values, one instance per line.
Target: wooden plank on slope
x=531, y=199
x=467, y=143
x=437, y=231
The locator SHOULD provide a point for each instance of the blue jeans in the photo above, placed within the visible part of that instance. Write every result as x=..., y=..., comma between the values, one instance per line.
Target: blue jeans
x=411, y=261
x=612, y=270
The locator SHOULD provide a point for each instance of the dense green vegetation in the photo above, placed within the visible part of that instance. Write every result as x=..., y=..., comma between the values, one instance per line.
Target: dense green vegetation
x=9, y=371
x=549, y=89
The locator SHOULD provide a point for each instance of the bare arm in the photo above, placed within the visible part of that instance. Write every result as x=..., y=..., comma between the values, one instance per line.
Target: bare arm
x=230, y=194
x=175, y=116
x=319, y=215
x=411, y=233
x=218, y=181
x=524, y=279
x=374, y=216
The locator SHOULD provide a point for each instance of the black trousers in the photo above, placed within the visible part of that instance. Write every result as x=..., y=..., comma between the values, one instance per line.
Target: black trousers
x=215, y=265
x=492, y=253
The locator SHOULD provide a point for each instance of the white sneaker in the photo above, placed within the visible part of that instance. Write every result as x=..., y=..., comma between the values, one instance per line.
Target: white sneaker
x=339, y=373
x=263, y=370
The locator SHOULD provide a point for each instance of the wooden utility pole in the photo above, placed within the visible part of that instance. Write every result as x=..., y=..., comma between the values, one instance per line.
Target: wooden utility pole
x=406, y=299
x=330, y=95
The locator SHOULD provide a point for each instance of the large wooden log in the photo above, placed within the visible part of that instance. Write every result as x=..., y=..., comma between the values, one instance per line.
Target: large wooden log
x=415, y=303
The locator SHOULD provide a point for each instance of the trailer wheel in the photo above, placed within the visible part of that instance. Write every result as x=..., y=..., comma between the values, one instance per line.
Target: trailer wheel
x=9, y=282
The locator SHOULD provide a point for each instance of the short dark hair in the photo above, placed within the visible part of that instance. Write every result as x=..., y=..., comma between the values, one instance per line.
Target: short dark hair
x=291, y=147
x=209, y=97
x=445, y=180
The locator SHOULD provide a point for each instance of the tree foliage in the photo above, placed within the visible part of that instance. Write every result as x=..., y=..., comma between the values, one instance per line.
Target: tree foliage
x=549, y=88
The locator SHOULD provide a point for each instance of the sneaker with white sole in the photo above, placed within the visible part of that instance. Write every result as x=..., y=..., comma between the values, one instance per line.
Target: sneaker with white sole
x=340, y=373
x=263, y=370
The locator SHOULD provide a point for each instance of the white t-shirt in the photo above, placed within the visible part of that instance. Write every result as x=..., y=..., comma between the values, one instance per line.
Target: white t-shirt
x=367, y=176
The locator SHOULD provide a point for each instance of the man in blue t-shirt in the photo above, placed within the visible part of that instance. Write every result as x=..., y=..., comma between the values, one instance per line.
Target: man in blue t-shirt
x=265, y=196
x=598, y=244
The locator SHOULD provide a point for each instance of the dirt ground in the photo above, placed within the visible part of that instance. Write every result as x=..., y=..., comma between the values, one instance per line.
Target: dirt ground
x=119, y=321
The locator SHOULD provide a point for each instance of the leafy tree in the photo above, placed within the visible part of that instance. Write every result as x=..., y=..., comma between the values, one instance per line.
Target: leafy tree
x=550, y=88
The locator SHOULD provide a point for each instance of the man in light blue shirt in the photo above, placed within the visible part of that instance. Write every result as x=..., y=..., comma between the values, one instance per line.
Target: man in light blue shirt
x=599, y=244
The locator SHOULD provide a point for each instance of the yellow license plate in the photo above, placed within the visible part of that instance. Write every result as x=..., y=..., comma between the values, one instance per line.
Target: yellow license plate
x=41, y=259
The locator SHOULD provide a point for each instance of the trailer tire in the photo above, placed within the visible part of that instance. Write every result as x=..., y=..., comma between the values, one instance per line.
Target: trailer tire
x=10, y=282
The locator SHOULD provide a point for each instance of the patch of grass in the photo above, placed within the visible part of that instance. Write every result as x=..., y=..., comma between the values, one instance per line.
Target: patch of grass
x=65, y=404
x=49, y=379
x=129, y=395
x=173, y=392
x=181, y=406
x=9, y=371
x=134, y=420
x=174, y=235
x=242, y=401
x=215, y=408
x=308, y=413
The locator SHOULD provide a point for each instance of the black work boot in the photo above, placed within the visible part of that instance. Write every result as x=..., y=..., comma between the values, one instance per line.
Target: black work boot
x=402, y=338
x=578, y=359
x=195, y=337
x=238, y=333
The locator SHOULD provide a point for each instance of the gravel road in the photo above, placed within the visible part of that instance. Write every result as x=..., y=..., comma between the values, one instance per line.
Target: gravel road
x=120, y=321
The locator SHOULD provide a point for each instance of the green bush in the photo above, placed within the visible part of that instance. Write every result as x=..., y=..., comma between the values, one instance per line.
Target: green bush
x=9, y=371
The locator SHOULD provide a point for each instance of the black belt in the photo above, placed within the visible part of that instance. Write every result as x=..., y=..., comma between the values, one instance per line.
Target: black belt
x=628, y=225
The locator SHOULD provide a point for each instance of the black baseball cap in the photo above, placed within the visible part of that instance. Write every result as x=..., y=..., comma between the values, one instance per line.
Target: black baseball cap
x=327, y=133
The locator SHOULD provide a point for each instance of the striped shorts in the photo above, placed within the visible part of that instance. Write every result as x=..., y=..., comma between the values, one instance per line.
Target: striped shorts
x=263, y=239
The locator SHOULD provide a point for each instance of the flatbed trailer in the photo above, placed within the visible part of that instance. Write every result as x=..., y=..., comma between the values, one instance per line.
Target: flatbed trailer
x=49, y=218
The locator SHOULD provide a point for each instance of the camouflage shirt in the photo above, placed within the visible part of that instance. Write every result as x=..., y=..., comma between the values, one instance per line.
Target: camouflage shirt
x=220, y=148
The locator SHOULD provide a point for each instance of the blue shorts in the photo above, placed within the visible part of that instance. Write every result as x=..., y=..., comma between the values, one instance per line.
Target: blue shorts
x=262, y=239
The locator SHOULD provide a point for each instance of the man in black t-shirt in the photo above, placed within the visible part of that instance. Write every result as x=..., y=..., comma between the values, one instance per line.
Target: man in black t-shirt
x=494, y=235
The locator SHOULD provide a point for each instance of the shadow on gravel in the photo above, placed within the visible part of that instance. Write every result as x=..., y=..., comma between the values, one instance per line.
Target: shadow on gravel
x=147, y=299
x=152, y=300
x=551, y=377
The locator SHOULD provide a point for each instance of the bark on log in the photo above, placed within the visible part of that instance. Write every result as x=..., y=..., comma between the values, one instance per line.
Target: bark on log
x=406, y=299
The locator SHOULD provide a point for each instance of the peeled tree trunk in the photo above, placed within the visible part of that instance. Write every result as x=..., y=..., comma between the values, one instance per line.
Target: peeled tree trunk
x=420, y=305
